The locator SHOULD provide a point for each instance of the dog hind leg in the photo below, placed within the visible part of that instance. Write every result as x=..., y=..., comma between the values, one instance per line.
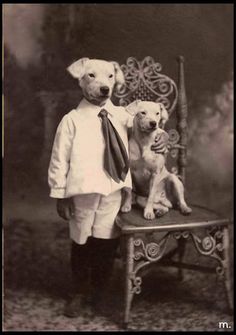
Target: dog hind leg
x=165, y=202
x=179, y=191
x=160, y=209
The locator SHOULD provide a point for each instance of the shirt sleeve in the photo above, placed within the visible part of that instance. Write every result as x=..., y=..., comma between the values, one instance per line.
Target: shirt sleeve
x=60, y=158
x=130, y=120
x=127, y=118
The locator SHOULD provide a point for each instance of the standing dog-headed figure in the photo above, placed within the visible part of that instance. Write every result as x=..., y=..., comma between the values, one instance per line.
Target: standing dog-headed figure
x=157, y=189
x=89, y=167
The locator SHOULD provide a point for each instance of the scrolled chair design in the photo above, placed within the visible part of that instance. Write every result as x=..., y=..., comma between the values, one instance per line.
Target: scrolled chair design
x=206, y=231
x=144, y=80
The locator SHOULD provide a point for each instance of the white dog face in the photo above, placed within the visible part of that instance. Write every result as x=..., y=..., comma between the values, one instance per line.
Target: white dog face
x=148, y=115
x=97, y=78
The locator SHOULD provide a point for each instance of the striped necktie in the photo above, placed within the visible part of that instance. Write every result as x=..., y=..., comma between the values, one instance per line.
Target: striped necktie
x=116, y=161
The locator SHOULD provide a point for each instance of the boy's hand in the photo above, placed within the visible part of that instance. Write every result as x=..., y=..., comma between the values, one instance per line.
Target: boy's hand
x=65, y=208
x=161, y=142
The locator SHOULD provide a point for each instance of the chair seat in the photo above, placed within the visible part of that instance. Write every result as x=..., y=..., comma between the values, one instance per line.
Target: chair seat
x=134, y=222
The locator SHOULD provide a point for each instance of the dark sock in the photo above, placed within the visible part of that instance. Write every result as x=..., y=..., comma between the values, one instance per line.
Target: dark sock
x=102, y=259
x=80, y=266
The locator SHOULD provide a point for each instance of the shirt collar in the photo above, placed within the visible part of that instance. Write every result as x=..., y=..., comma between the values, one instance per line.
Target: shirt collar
x=85, y=104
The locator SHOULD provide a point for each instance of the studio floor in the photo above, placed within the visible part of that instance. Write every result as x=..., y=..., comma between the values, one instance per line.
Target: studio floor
x=37, y=281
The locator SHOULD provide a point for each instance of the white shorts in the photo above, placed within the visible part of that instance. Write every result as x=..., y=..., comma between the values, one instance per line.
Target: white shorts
x=94, y=215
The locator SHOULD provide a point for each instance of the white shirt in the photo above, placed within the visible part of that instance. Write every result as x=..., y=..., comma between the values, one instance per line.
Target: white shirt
x=76, y=165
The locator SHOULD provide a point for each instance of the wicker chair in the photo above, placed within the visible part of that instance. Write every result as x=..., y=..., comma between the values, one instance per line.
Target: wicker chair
x=208, y=231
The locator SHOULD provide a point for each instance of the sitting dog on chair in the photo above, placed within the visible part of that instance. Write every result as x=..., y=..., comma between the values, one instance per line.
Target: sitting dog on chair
x=157, y=189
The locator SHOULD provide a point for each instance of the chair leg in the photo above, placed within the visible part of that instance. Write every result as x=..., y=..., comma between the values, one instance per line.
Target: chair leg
x=128, y=278
x=181, y=251
x=227, y=275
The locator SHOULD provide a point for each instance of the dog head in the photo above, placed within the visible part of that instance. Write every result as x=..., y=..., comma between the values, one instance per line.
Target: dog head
x=97, y=78
x=148, y=115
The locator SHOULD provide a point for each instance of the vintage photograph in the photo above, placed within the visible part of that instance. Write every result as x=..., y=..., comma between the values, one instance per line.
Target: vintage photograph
x=117, y=154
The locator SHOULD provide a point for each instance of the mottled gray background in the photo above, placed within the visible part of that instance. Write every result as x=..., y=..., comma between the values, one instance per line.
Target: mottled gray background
x=203, y=33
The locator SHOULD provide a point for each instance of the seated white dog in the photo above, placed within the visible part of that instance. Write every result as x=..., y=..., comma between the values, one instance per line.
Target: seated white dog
x=156, y=188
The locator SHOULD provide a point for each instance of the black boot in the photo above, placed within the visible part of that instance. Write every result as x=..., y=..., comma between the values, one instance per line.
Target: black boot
x=103, y=253
x=80, y=266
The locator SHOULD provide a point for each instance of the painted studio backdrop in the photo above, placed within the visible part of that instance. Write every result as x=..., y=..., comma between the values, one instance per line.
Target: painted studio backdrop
x=40, y=41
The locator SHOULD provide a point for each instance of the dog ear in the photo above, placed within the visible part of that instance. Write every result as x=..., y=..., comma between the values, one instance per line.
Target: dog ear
x=76, y=69
x=132, y=107
x=164, y=115
x=119, y=76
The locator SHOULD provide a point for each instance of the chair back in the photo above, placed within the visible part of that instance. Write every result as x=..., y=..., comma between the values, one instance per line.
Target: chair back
x=145, y=81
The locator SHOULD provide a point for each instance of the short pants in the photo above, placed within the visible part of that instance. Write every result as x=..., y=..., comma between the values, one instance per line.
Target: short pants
x=94, y=215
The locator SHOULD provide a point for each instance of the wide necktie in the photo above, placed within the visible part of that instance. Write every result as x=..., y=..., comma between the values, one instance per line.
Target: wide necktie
x=116, y=161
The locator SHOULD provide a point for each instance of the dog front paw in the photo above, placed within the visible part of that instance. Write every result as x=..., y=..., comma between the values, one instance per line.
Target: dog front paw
x=149, y=214
x=126, y=208
x=185, y=210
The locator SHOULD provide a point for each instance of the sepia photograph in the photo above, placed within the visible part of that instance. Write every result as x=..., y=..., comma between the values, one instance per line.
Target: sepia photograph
x=117, y=154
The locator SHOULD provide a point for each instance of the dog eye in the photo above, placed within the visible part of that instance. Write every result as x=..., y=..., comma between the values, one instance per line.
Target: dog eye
x=143, y=113
x=111, y=76
x=158, y=113
x=91, y=75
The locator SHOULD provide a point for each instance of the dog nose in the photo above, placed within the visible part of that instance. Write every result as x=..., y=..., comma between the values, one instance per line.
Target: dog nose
x=104, y=89
x=153, y=124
